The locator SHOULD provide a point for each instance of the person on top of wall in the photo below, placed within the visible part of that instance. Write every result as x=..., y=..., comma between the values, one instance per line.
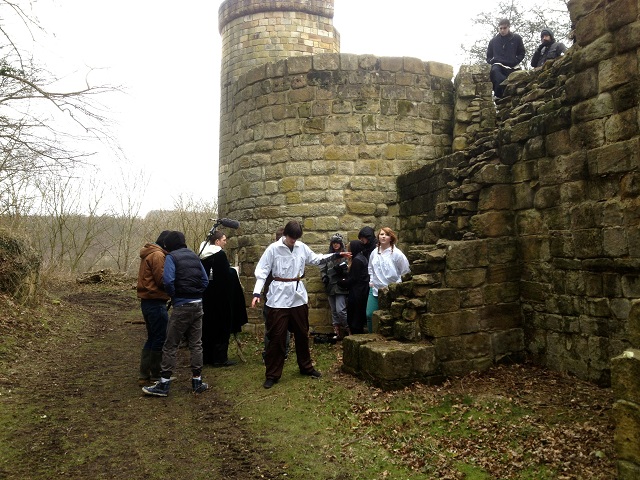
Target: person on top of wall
x=184, y=280
x=548, y=49
x=285, y=259
x=223, y=303
x=153, y=303
x=357, y=282
x=504, y=53
x=331, y=272
x=387, y=264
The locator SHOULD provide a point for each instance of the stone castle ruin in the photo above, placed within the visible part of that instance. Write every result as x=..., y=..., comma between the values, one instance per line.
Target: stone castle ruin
x=521, y=219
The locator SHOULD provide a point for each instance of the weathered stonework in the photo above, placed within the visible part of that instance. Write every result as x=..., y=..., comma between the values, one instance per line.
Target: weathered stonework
x=520, y=221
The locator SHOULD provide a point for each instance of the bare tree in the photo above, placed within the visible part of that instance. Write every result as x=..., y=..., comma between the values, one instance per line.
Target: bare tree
x=525, y=21
x=38, y=122
x=71, y=240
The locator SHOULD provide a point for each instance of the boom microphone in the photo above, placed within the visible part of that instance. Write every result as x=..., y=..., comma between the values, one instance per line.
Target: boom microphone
x=227, y=222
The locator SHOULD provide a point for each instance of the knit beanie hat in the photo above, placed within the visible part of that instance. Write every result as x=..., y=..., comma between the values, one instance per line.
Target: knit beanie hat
x=546, y=32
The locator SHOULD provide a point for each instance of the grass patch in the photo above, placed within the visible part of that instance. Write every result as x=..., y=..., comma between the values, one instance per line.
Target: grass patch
x=70, y=407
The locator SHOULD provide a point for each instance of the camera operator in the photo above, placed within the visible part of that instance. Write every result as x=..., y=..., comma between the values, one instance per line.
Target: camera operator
x=331, y=272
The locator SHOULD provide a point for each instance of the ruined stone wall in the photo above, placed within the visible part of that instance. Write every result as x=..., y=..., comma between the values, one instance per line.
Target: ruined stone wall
x=560, y=176
x=322, y=139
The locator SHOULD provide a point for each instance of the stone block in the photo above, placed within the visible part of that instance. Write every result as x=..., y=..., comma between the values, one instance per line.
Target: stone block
x=592, y=54
x=467, y=254
x=621, y=126
x=628, y=37
x=441, y=70
x=583, y=85
x=449, y=324
x=617, y=71
x=507, y=342
x=496, y=197
x=631, y=285
x=351, y=348
x=477, y=345
x=493, y=224
x=460, y=368
x=625, y=376
x=620, y=12
x=626, y=437
x=443, y=300
x=615, y=158
x=326, y=61
x=465, y=278
x=497, y=293
x=504, y=316
x=301, y=64
x=406, y=331
x=425, y=361
x=387, y=361
x=492, y=174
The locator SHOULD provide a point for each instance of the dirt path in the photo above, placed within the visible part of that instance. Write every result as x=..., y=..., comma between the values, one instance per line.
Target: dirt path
x=75, y=409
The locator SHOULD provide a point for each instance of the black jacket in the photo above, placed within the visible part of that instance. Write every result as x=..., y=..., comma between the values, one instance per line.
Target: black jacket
x=546, y=52
x=507, y=50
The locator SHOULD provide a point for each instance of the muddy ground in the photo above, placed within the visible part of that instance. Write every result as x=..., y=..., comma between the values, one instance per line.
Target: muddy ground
x=71, y=407
x=92, y=420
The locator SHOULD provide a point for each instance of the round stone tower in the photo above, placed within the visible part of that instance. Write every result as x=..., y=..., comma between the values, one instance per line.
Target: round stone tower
x=255, y=32
x=312, y=134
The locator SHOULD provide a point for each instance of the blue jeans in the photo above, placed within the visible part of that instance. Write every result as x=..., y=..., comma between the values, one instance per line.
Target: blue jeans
x=156, y=319
x=372, y=306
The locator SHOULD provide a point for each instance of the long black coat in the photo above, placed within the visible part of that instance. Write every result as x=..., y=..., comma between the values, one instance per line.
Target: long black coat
x=357, y=282
x=224, y=308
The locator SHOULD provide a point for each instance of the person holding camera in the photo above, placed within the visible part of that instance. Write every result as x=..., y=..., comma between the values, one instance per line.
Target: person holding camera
x=331, y=272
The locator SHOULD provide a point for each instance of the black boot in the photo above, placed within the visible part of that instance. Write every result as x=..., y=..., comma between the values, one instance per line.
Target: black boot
x=145, y=367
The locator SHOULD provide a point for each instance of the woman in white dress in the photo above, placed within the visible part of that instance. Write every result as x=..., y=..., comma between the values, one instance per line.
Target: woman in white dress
x=387, y=264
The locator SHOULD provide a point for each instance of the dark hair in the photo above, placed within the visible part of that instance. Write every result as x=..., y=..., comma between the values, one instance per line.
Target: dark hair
x=279, y=233
x=504, y=21
x=336, y=238
x=162, y=237
x=217, y=235
x=293, y=229
x=174, y=241
x=355, y=247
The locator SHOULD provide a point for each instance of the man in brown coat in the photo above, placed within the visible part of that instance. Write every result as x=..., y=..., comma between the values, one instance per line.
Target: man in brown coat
x=153, y=303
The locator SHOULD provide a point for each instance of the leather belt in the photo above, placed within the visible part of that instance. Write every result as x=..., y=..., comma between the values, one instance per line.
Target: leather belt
x=280, y=279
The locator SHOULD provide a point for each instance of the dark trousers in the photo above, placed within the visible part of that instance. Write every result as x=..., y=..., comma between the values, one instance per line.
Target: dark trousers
x=185, y=320
x=279, y=321
x=156, y=319
x=498, y=75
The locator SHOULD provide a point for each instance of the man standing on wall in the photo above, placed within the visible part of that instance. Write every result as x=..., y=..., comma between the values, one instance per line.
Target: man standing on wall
x=287, y=300
x=504, y=53
x=548, y=49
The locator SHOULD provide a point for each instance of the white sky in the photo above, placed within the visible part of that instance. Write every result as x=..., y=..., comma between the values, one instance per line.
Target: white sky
x=166, y=54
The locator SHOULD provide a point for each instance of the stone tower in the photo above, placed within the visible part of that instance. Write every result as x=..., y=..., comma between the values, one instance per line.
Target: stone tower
x=255, y=32
x=311, y=134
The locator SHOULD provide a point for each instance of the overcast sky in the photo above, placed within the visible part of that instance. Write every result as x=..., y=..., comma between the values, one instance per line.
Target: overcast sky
x=166, y=55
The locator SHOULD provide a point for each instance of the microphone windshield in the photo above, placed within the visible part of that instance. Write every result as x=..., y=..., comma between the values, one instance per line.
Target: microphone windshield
x=226, y=222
